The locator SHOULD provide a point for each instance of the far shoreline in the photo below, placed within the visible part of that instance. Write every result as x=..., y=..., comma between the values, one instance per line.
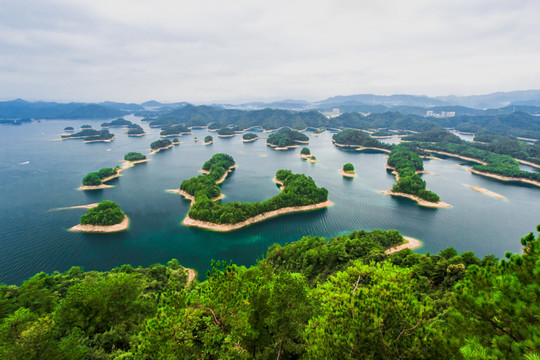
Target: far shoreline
x=502, y=177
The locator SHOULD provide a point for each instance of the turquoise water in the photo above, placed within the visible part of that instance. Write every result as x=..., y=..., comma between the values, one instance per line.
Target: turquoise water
x=40, y=175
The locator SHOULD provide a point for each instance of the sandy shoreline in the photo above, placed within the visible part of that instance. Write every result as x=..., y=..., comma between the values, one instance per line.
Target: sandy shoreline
x=135, y=135
x=275, y=147
x=503, y=178
x=226, y=136
x=342, y=172
x=191, y=197
x=411, y=243
x=123, y=226
x=96, y=141
x=362, y=148
x=457, y=156
x=318, y=134
x=419, y=200
x=486, y=191
x=87, y=207
x=258, y=218
x=251, y=140
x=192, y=274
x=525, y=162
x=208, y=143
x=173, y=135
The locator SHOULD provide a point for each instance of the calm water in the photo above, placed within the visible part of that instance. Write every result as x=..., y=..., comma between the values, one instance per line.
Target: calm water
x=40, y=175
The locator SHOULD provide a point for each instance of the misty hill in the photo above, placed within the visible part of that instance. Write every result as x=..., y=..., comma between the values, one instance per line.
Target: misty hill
x=495, y=100
x=51, y=110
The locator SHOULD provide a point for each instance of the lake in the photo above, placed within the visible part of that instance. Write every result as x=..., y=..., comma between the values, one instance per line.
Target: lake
x=40, y=176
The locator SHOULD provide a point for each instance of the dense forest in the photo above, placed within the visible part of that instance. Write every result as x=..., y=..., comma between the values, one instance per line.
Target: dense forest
x=286, y=137
x=208, y=139
x=344, y=298
x=134, y=156
x=249, y=136
x=135, y=129
x=174, y=130
x=226, y=131
x=105, y=214
x=358, y=138
x=406, y=162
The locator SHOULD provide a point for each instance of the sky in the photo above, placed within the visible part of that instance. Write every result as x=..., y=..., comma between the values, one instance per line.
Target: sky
x=244, y=50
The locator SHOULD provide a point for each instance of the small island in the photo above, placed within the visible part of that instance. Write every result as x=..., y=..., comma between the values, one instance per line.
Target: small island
x=174, y=130
x=159, y=145
x=359, y=140
x=196, y=139
x=120, y=122
x=105, y=217
x=305, y=154
x=90, y=135
x=69, y=129
x=86, y=126
x=286, y=139
x=406, y=165
x=176, y=141
x=226, y=132
x=249, y=137
x=135, y=130
x=348, y=171
x=208, y=140
x=299, y=193
x=319, y=131
x=135, y=157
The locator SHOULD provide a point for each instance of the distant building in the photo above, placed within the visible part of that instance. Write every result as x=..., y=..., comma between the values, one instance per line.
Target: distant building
x=443, y=114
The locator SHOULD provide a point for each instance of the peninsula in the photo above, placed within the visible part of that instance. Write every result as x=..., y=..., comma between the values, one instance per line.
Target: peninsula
x=299, y=193
x=96, y=180
x=105, y=217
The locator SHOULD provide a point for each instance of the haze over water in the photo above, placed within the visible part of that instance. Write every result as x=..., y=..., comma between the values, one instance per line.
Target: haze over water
x=40, y=175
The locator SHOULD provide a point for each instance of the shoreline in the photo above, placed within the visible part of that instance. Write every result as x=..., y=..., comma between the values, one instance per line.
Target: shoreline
x=191, y=198
x=318, y=134
x=87, y=207
x=255, y=219
x=135, y=135
x=208, y=143
x=411, y=243
x=525, y=162
x=342, y=172
x=419, y=201
x=487, y=192
x=251, y=140
x=362, y=148
x=311, y=161
x=457, y=156
x=100, y=140
x=226, y=136
x=502, y=177
x=275, y=147
x=123, y=226
x=172, y=135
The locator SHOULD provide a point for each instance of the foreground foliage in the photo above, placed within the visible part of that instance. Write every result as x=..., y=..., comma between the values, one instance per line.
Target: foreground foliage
x=310, y=299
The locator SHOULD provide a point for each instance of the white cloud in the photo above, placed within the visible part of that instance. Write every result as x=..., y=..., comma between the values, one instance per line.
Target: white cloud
x=218, y=50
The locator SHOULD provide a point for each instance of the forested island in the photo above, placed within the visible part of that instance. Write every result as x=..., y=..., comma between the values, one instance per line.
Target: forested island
x=226, y=132
x=249, y=137
x=208, y=140
x=406, y=165
x=96, y=180
x=345, y=298
x=120, y=122
x=358, y=139
x=299, y=193
x=159, y=145
x=286, y=139
x=306, y=154
x=348, y=170
x=135, y=130
x=69, y=129
x=90, y=135
x=105, y=217
x=174, y=130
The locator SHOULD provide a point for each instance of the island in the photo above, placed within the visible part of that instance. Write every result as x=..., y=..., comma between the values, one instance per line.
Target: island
x=319, y=131
x=226, y=132
x=135, y=130
x=159, y=145
x=120, y=122
x=348, y=171
x=249, y=137
x=305, y=154
x=359, y=140
x=208, y=140
x=86, y=126
x=69, y=129
x=196, y=139
x=90, y=135
x=106, y=217
x=97, y=180
x=176, y=141
x=406, y=165
x=134, y=157
x=174, y=130
x=299, y=193
x=286, y=139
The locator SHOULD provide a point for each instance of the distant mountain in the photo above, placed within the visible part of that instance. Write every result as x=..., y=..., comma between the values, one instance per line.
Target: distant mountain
x=50, y=110
x=283, y=105
x=495, y=100
x=122, y=106
x=390, y=100
x=156, y=105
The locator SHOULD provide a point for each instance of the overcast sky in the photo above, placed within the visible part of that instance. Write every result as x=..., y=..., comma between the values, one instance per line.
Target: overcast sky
x=239, y=50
